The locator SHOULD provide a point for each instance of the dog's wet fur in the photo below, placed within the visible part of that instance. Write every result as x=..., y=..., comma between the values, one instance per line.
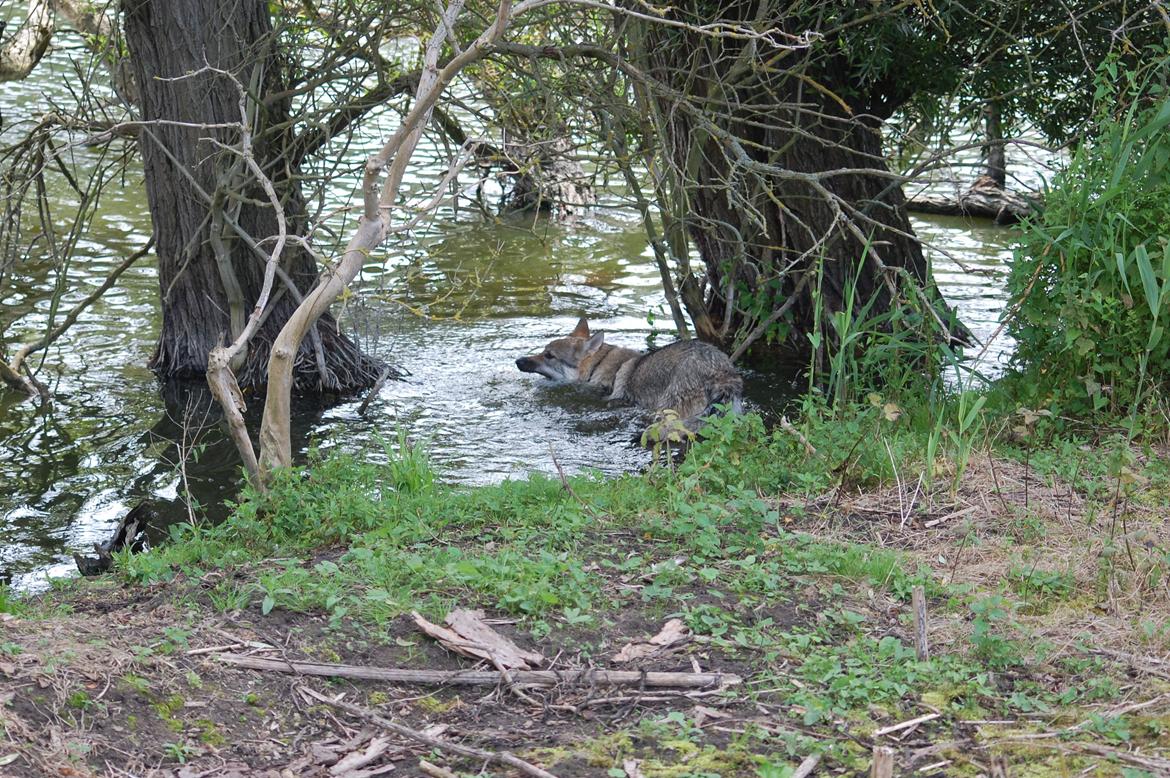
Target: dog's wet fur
x=689, y=377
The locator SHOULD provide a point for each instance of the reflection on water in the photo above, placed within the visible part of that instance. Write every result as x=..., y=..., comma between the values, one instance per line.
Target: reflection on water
x=454, y=303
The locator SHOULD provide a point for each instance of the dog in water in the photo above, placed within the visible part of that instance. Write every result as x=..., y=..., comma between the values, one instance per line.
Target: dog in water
x=689, y=377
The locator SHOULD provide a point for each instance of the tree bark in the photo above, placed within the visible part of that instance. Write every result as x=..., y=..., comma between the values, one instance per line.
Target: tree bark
x=781, y=235
x=993, y=150
x=21, y=52
x=212, y=220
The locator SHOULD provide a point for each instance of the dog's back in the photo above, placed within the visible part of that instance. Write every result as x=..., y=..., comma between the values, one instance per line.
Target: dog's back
x=689, y=376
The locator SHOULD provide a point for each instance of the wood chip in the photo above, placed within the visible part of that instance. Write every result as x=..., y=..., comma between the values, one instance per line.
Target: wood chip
x=434, y=770
x=704, y=714
x=806, y=767
x=672, y=635
x=471, y=636
x=358, y=759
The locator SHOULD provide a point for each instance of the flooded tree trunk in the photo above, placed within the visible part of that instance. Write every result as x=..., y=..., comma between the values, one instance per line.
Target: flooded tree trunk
x=751, y=153
x=993, y=150
x=986, y=197
x=212, y=221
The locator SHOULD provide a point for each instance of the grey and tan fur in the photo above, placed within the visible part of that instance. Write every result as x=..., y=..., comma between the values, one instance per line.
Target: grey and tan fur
x=689, y=376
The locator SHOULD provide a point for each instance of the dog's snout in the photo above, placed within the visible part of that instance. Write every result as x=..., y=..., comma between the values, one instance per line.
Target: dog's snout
x=525, y=364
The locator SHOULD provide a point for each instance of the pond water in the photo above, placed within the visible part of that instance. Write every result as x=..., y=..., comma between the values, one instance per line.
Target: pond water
x=487, y=292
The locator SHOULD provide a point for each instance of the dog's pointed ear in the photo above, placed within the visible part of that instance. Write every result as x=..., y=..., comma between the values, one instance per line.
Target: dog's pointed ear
x=594, y=343
x=582, y=329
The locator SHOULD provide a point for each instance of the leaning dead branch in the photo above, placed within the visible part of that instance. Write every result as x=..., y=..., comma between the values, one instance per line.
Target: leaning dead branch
x=223, y=360
x=374, y=226
x=21, y=53
x=538, y=678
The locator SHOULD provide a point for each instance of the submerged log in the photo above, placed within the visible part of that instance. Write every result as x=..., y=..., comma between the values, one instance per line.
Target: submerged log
x=129, y=534
x=983, y=200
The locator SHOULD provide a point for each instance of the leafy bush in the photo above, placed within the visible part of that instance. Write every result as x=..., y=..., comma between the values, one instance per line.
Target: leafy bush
x=1091, y=277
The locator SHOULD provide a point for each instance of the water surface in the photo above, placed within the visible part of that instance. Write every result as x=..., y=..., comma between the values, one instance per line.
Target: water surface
x=455, y=303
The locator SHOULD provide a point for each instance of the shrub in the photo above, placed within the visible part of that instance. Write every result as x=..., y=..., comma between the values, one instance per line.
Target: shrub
x=1091, y=275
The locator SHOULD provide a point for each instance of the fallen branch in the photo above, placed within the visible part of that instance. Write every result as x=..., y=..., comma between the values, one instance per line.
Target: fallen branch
x=786, y=425
x=11, y=372
x=503, y=757
x=983, y=200
x=377, y=387
x=907, y=724
x=807, y=766
x=586, y=677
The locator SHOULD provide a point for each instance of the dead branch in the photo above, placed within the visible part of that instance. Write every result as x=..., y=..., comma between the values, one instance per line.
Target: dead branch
x=44, y=341
x=502, y=757
x=805, y=768
x=545, y=678
x=275, y=436
x=24, y=50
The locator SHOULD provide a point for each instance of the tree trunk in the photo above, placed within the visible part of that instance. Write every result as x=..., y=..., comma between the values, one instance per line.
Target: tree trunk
x=747, y=144
x=212, y=221
x=993, y=150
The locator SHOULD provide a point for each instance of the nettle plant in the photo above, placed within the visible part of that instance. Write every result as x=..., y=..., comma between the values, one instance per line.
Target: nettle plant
x=1091, y=276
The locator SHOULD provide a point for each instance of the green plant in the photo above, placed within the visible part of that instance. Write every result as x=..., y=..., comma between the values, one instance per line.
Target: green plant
x=409, y=465
x=992, y=614
x=179, y=751
x=1091, y=277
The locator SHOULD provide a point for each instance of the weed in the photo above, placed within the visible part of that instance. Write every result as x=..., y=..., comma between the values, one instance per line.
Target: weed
x=992, y=614
x=1037, y=586
x=79, y=700
x=179, y=751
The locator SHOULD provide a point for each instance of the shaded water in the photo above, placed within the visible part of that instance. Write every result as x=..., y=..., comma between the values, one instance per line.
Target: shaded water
x=454, y=304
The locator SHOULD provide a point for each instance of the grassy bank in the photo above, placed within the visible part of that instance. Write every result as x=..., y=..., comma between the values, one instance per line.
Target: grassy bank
x=790, y=555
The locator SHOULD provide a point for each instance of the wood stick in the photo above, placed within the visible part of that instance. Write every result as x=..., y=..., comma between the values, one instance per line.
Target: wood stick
x=806, y=767
x=587, y=677
x=434, y=770
x=883, y=762
x=906, y=724
x=503, y=757
x=921, y=645
x=377, y=387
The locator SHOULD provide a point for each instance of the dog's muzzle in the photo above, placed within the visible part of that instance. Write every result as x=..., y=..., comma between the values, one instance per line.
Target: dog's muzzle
x=526, y=364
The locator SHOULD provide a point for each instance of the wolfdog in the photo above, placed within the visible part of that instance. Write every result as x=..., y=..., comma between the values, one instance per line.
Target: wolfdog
x=689, y=377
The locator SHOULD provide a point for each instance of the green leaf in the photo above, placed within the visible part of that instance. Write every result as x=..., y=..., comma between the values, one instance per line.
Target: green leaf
x=268, y=604
x=1123, y=271
x=1150, y=283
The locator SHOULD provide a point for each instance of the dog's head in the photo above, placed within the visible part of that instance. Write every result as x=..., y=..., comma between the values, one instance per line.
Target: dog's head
x=560, y=358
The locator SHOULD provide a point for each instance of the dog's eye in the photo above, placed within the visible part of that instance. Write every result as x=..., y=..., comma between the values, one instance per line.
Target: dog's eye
x=549, y=355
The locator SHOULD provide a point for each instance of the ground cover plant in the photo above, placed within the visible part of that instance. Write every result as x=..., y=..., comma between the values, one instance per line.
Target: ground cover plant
x=788, y=554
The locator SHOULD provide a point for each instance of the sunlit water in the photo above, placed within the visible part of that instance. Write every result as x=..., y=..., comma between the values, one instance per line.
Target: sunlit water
x=454, y=303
